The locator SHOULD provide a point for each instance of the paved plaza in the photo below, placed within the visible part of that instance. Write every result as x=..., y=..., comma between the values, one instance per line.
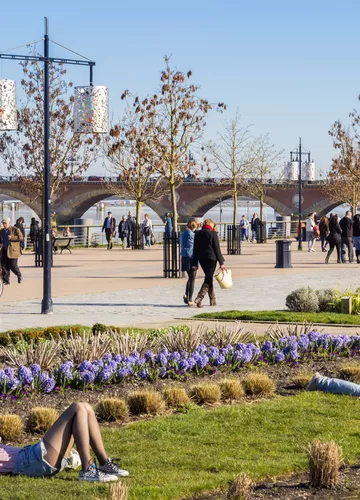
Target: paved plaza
x=126, y=288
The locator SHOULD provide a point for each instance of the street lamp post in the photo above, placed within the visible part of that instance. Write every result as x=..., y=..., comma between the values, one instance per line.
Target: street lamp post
x=47, y=304
x=297, y=157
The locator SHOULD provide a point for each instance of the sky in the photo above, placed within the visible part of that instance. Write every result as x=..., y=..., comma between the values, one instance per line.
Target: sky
x=289, y=67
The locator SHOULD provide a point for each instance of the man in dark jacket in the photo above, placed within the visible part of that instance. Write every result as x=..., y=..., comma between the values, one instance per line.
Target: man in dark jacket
x=110, y=228
x=346, y=225
x=255, y=222
x=131, y=229
x=10, y=251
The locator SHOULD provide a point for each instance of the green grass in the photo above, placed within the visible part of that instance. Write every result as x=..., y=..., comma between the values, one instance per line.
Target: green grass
x=179, y=455
x=285, y=316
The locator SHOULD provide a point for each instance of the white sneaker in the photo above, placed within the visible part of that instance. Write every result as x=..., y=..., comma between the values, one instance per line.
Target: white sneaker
x=112, y=469
x=313, y=250
x=95, y=475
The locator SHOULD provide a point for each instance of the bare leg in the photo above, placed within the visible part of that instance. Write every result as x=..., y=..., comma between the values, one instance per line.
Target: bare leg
x=96, y=441
x=72, y=424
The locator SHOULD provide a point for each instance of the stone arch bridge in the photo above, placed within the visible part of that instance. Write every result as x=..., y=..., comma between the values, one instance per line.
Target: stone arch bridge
x=194, y=198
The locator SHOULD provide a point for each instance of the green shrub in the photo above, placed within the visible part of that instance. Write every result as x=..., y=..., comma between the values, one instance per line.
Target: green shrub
x=112, y=410
x=303, y=300
x=326, y=299
x=355, y=296
x=99, y=328
x=38, y=334
x=205, y=393
x=11, y=427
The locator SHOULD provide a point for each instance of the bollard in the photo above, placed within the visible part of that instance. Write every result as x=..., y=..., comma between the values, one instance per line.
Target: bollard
x=346, y=305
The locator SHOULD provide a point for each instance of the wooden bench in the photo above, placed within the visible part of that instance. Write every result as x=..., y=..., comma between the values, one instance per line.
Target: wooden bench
x=62, y=243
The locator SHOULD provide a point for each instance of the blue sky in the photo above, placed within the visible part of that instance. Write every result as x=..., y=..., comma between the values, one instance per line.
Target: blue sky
x=290, y=67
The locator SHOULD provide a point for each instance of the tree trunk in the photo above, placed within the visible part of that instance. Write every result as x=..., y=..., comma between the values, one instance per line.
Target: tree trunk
x=261, y=207
x=235, y=202
x=138, y=211
x=174, y=206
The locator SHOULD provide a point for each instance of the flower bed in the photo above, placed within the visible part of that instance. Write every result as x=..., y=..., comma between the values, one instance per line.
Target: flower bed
x=114, y=368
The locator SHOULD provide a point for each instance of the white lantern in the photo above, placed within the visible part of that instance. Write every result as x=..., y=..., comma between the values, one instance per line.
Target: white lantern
x=8, y=112
x=91, y=110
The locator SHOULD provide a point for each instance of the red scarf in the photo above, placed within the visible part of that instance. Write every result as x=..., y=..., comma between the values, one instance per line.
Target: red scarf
x=206, y=226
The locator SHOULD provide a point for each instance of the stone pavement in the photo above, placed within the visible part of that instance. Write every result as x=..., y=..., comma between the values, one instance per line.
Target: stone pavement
x=126, y=288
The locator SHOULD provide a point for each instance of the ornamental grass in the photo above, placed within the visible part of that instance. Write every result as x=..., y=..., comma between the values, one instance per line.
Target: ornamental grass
x=324, y=463
x=231, y=389
x=351, y=373
x=302, y=379
x=11, y=427
x=41, y=419
x=258, y=384
x=145, y=402
x=205, y=393
x=118, y=491
x=241, y=488
x=112, y=410
x=176, y=397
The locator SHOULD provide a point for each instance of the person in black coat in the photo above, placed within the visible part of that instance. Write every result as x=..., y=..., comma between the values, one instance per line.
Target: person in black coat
x=34, y=231
x=334, y=238
x=255, y=222
x=20, y=225
x=131, y=229
x=123, y=231
x=207, y=252
x=110, y=229
x=346, y=225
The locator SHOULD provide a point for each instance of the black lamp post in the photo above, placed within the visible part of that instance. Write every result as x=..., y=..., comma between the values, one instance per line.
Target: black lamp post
x=297, y=156
x=46, y=305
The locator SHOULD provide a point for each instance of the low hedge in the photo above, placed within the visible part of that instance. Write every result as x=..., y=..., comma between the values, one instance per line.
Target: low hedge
x=34, y=334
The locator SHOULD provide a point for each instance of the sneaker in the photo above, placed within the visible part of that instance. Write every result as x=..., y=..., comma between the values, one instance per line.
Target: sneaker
x=313, y=250
x=92, y=474
x=312, y=386
x=110, y=468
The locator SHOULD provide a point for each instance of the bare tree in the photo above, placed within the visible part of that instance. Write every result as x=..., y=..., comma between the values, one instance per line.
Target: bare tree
x=22, y=151
x=264, y=169
x=232, y=155
x=344, y=177
x=130, y=152
x=175, y=118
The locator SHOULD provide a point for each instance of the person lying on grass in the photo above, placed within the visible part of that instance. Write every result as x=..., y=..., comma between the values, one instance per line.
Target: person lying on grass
x=333, y=385
x=49, y=456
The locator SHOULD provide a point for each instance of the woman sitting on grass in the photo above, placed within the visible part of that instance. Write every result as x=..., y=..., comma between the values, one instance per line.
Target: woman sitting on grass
x=49, y=456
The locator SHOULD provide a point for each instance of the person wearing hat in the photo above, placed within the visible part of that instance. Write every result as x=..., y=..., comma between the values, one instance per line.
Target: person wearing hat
x=110, y=228
x=10, y=250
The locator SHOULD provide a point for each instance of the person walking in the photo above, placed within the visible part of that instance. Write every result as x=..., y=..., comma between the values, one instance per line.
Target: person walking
x=207, y=252
x=147, y=230
x=10, y=239
x=34, y=231
x=110, y=228
x=244, y=226
x=254, y=223
x=131, y=229
x=168, y=225
x=50, y=455
x=123, y=231
x=310, y=234
x=324, y=232
x=334, y=238
x=346, y=225
x=187, y=250
x=356, y=236
x=20, y=225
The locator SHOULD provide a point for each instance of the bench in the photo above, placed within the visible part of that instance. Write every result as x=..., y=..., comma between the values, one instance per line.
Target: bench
x=62, y=243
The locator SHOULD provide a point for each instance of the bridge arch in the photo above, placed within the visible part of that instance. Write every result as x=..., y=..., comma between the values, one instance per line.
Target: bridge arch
x=15, y=194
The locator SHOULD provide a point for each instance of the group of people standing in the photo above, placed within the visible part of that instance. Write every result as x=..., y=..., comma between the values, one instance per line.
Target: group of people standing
x=342, y=234
x=127, y=230
x=200, y=246
x=246, y=226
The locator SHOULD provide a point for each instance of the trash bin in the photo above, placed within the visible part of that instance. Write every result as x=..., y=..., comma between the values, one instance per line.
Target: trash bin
x=283, y=253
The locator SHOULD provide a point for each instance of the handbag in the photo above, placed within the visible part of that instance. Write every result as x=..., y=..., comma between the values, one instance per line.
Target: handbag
x=223, y=277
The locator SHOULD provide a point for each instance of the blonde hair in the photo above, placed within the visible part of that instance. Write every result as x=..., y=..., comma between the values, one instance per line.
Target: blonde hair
x=192, y=224
x=209, y=222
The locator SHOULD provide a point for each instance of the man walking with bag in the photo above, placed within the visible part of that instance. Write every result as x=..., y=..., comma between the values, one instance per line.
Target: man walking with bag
x=110, y=229
x=10, y=239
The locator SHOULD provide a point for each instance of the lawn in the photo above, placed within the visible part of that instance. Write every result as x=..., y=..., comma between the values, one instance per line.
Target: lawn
x=330, y=318
x=178, y=455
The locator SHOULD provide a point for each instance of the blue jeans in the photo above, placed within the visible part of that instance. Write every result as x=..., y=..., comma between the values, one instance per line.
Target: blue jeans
x=337, y=386
x=253, y=235
x=356, y=241
x=243, y=234
x=30, y=462
x=147, y=240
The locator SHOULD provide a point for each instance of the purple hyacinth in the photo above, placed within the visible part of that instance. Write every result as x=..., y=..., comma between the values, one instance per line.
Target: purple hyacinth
x=85, y=366
x=87, y=376
x=107, y=357
x=48, y=385
x=25, y=375
x=9, y=372
x=279, y=357
x=117, y=358
x=35, y=369
x=183, y=365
